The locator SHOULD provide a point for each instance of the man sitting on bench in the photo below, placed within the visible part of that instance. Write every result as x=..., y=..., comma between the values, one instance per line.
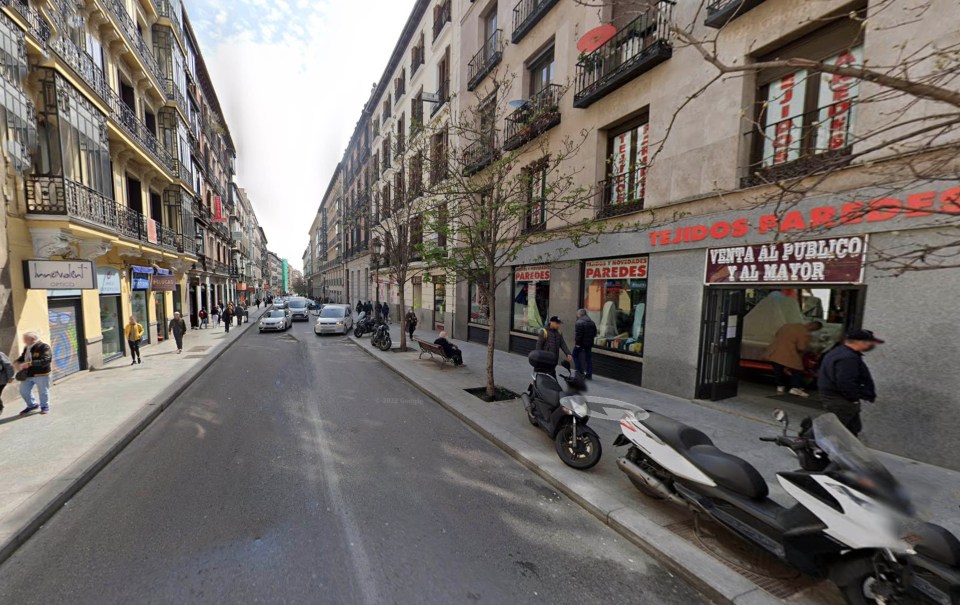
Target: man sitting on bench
x=450, y=350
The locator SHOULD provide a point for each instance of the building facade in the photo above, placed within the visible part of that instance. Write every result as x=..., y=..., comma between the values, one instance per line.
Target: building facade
x=113, y=168
x=703, y=267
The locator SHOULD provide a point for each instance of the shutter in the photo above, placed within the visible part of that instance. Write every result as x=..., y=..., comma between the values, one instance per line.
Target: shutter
x=64, y=339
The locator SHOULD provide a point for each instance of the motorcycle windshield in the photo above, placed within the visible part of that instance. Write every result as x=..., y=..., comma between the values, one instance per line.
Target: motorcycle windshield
x=858, y=465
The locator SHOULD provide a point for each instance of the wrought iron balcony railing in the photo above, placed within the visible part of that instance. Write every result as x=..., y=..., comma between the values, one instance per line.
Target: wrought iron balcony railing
x=165, y=10
x=127, y=118
x=37, y=26
x=637, y=48
x=485, y=60
x=443, y=95
x=721, y=12
x=526, y=15
x=83, y=64
x=134, y=39
x=441, y=17
x=540, y=113
x=480, y=154
x=183, y=172
x=622, y=193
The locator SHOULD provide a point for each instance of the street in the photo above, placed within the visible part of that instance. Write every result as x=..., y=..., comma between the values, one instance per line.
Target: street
x=298, y=469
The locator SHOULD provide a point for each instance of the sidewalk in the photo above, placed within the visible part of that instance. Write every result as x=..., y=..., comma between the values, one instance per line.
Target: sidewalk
x=44, y=460
x=659, y=528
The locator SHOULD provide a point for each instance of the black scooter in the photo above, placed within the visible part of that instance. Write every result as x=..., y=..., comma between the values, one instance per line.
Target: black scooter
x=560, y=412
x=363, y=326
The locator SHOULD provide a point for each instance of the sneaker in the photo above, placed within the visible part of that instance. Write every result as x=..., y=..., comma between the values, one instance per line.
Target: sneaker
x=44, y=412
x=799, y=393
x=781, y=390
x=139, y=361
x=134, y=362
x=29, y=409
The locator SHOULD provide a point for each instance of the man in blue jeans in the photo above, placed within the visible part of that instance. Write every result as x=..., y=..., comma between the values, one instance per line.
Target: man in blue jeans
x=585, y=332
x=36, y=361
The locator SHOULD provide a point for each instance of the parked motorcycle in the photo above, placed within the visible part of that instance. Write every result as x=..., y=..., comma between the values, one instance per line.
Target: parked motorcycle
x=363, y=326
x=561, y=412
x=381, y=337
x=853, y=522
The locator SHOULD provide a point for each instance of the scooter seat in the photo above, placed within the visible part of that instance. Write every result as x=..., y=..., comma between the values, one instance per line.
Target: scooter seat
x=729, y=471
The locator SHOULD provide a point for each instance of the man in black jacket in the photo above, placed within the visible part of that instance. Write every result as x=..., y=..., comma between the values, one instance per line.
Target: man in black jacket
x=551, y=339
x=845, y=381
x=450, y=350
x=585, y=332
x=36, y=361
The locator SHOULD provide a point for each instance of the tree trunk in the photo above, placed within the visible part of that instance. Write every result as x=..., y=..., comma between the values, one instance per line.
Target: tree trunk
x=403, y=316
x=491, y=337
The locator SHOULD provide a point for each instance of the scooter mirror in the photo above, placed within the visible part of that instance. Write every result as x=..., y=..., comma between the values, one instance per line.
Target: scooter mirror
x=779, y=415
x=565, y=364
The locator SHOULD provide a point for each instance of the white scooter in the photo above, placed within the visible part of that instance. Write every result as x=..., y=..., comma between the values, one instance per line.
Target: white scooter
x=853, y=522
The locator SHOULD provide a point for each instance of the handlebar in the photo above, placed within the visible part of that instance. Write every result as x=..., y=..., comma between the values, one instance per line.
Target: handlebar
x=770, y=439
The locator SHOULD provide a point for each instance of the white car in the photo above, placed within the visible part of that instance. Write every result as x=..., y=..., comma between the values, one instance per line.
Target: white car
x=334, y=319
x=275, y=321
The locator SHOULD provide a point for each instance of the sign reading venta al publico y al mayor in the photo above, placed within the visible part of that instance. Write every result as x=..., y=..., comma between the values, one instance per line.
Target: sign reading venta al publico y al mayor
x=59, y=275
x=836, y=260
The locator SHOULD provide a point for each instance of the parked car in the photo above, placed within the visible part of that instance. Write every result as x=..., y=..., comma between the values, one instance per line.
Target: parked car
x=299, y=308
x=334, y=319
x=276, y=320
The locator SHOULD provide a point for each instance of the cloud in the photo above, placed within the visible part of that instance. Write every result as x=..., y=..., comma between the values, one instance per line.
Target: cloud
x=292, y=77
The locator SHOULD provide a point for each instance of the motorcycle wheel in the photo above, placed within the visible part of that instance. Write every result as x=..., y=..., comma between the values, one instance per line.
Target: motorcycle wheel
x=581, y=456
x=385, y=344
x=532, y=419
x=863, y=585
x=357, y=332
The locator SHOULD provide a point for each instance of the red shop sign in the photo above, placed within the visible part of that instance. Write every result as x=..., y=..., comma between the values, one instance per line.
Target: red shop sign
x=835, y=260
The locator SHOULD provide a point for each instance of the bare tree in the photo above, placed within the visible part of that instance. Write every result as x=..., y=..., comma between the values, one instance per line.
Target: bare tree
x=500, y=189
x=907, y=103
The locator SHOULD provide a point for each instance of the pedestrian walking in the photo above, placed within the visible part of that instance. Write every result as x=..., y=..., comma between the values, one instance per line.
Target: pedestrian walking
x=217, y=315
x=385, y=311
x=845, y=381
x=204, y=319
x=450, y=350
x=585, y=333
x=786, y=354
x=359, y=307
x=7, y=374
x=410, y=319
x=178, y=328
x=134, y=334
x=551, y=339
x=227, y=317
x=239, y=312
x=33, y=370
x=368, y=307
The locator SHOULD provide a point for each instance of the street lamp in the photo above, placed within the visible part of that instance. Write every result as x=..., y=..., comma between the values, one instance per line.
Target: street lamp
x=377, y=249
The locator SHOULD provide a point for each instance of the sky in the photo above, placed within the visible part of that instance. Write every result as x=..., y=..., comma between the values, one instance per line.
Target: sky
x=292, y=77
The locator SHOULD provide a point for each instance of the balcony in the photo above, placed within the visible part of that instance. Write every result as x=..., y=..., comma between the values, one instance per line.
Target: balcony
x=56, y=196
x=480, y=154
x=538, y=114
x=440, y=18
x=182, y=172
x=526, y=15
x=622, y=193
x=134, y=39
x=125, y=116
x=83, y=64
x=721, y=12
x=485, y=60
x=165, y=11
x=38, y=28
x=636, y=49
x=443, y=95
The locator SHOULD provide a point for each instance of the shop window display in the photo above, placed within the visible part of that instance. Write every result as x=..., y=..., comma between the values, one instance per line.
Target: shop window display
x=615, y=298
x=440, y=296
x=531, y=298
x=479, y=306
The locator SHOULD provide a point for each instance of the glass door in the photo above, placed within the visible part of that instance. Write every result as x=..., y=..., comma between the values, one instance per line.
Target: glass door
x=720, y=338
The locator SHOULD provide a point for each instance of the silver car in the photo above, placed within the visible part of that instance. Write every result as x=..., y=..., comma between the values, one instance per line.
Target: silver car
x=334, y=319
x=275, y=321
x=299, y=308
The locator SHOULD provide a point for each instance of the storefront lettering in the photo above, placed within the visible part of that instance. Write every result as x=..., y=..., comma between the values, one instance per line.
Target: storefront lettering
x=915, y=205
x=532, y=274
x=834, y=260
x=626, y=268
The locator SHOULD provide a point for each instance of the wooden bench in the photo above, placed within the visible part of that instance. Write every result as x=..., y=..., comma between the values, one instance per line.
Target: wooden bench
x=433, y=350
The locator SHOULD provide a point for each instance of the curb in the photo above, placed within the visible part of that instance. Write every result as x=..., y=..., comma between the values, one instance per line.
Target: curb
x=55, y=495
x=611, y=518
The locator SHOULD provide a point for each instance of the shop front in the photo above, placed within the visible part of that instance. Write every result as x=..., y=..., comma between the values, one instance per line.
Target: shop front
x=478, y=323
x=530, y=306
x=111, y=312
x=139, y=297
x=161, y=282
x=439, y=302
x=752, y=291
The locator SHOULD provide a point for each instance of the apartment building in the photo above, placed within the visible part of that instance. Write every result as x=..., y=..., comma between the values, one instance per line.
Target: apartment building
x=119, y=160
x=327, y=281
x=706, y=256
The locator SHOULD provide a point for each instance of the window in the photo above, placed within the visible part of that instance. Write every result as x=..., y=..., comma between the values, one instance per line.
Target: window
x=443, y=225
x=439, y=296
x=417, y=55
x=536, y=185
x=615, y=298
x=386, y=109
x=438, y=157
x=531, y=298
x=385, y=207
x=479, y=305
x=490, y=23
x=627, y=157
x=803, y=114
x=400, y=85
x=399, y=188
x=541, y=72
x=416, y=236
x=386, y=151
x=416, y=174
x=416, y=113
x=441, y=16
x=401, y=134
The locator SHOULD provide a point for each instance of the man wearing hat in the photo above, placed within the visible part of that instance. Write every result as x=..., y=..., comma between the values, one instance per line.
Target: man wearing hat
x=845, y=380
x=552, y=340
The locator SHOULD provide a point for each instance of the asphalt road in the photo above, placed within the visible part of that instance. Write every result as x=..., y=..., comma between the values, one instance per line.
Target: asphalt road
x=298, y=469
